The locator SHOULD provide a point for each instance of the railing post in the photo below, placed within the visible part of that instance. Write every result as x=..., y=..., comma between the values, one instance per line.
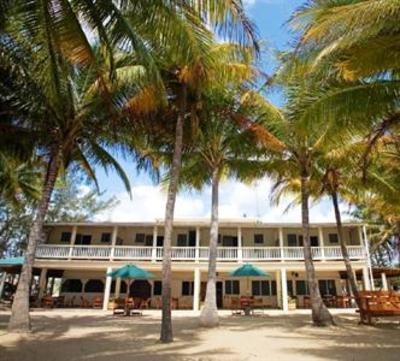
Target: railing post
x=113, y=242
x=280, y=235
x=240, y=252
x=72, y=241
x=154, y=249
x=197, y=250
x=321, y=243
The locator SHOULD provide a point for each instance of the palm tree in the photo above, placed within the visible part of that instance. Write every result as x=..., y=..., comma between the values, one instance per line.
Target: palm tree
x=222, y=146
x=290, y=158
x=65, y=113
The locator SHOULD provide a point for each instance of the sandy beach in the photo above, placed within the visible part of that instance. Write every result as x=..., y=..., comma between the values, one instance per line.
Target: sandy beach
x=94, y=335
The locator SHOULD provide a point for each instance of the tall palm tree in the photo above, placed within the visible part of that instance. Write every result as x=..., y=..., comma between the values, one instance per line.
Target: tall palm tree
x=222, y=146
x=64, y=112
x=291, y=156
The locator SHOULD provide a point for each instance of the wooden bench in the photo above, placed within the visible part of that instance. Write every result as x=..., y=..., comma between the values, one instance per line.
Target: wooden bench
x=378, y=304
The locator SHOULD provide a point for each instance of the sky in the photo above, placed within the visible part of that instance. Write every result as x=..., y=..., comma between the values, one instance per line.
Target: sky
x=237, y=200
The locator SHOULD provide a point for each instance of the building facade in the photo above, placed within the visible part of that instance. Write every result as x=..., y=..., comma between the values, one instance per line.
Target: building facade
x=80, y=255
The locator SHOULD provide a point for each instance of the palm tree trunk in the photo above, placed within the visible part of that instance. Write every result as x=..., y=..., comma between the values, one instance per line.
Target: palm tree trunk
x=209, y=313
x=20, y=319
x=320, y=313
x=346, y=258
x=166, y=334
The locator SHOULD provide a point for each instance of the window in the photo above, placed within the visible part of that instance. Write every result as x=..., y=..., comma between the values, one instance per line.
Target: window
x=273, y=288
x=139, y=238
x=72, y=285
x=192, y=238
x=94, y=286
x=83, y=239
x=290, y=288
x=157, y=288
x=260, y=288
x=229, y=241
x=149, y=240
x=105, y=238
x=219, y=238
x=301, y=288
x=232, y=287
x=314, y=241
x=327, y=287
x=187, y=288
x=182, y=240
x=301, y=243
x=66, y=237
x=258, y=239
x=333, y=238
x=292, y=240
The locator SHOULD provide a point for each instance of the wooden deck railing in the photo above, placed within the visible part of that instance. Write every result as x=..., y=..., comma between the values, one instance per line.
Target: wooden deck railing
x=200, y=254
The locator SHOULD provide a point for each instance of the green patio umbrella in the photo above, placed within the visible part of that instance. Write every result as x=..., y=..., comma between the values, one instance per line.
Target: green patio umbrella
x=131, y=271
x=248, y=270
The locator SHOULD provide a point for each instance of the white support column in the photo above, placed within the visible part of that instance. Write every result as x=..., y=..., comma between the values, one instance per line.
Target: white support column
x=280, y=232
x=278, y=289
x=2, y=282
x=154, y=250
x=114, y=238
x=117, y=287
x=196, y=291
x=72, y=241
x=107, y=290
x=285, y=301
x=240, y=251
x=366, y=280
x=197, y=251
x=321, y=242
x=384, y=282
x=42, y=283
x=366, y=244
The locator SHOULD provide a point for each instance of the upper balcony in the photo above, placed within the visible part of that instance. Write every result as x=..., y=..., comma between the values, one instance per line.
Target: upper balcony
x=238, y=241
x=195, y=254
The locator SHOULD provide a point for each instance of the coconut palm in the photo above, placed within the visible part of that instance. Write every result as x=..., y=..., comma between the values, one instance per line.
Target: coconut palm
x=222, y=146
x=65, y=114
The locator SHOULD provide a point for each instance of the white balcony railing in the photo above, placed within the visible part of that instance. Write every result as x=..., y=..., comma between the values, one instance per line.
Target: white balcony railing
x=227, y=254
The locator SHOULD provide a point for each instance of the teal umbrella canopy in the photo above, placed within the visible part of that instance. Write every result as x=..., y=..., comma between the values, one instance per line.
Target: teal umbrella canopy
x=131, y=271
x=13, y=261
x=248, y=270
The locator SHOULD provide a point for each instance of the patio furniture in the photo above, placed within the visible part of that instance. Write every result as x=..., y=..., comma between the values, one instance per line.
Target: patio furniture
x=59, y=301
x=175, y=303
x=306, y=302
x=343, y=301
x=85, y=302
x=47, y=302
x=117, y=305
x=248, y=270
x=378, y=304
x=97, y=302
x=235, y=306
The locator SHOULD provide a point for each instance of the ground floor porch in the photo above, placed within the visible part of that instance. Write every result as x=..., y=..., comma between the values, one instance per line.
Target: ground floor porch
x=284, y=287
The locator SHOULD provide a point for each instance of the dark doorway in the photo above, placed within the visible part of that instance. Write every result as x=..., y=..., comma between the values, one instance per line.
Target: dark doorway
x=220, y=294
x=160, y=241
x=229, y=241
x=314, y=241
x=140, y=288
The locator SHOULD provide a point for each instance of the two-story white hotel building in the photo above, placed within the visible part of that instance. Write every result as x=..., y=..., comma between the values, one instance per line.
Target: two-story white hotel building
x=81, y=254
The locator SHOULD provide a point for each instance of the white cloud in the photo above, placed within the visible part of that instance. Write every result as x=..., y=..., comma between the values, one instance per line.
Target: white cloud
x=236, y=201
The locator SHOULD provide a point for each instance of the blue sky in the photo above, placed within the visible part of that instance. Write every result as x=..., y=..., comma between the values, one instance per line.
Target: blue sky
x=236, y=199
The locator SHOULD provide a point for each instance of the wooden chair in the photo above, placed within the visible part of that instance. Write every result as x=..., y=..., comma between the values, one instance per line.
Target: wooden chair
x=85, y=302
x=235, y=306
x=97, y=302
x=59, y=301
x=175, y=303
x=47, y=302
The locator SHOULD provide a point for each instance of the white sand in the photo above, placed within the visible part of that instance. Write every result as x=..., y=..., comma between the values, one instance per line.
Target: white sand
x=79, y=335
